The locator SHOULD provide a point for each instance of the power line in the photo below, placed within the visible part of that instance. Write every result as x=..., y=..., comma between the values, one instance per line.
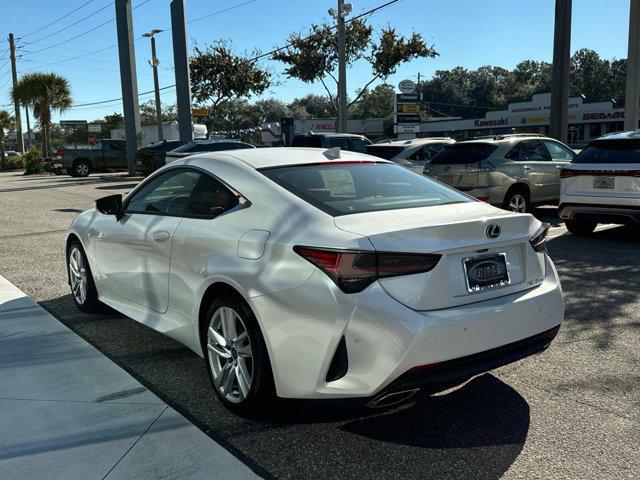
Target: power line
x=119, y=98
x=56, y=21
x=72, y=24
x=219, y=12
x=368, y=12
x=86, y=32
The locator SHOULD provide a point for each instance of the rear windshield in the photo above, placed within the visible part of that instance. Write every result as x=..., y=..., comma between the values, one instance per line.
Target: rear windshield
x=464, y=153
x=342, y=189
x=384, y=151
x=307, y=141
x=612, y=151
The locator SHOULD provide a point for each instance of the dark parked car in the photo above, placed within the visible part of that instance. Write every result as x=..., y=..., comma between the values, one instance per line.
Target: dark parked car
x=201, y=146
x=346, y=141
x=105, y=155
x=152, y=157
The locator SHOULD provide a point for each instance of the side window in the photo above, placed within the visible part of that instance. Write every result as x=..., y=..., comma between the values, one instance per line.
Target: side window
x=167, y=194
x=558, y=152
x=342, y=142
x=209, y=199
x=427, y=152
x=528, y=151
x=358, y=145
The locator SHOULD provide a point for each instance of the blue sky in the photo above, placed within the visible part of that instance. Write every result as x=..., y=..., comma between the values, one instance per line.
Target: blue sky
x=470, y=33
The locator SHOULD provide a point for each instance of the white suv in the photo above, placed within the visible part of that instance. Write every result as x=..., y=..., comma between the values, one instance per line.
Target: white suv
x=602, y=184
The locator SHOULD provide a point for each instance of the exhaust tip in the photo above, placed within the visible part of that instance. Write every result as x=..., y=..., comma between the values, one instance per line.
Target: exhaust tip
x=387, y=399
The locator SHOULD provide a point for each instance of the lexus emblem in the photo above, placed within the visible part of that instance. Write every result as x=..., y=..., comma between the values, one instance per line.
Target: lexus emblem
x=493, y=231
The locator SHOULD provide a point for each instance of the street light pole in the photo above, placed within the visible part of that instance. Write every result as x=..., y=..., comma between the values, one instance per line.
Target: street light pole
x=343, y=10
x=342, y=71
x=156, y=85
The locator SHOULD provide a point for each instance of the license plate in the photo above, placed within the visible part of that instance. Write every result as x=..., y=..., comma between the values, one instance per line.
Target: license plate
x=604, y=182
x=57, y=165
x=486, y=271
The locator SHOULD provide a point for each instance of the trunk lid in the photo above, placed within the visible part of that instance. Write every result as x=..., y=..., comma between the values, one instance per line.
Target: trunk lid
x=602, y=180
x=458, y=232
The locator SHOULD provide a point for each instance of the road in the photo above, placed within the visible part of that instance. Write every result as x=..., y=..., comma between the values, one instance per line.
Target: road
x=571, y=413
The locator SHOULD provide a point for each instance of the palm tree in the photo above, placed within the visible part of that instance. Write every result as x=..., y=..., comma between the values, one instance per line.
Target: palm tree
x=44, y=92
x=6, y=122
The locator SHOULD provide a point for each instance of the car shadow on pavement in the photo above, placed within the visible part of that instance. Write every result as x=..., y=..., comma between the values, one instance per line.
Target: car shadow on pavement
x=600, y=274
x=475, y=431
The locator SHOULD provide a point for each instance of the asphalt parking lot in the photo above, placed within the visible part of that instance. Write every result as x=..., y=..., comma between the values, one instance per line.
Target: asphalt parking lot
x=571, y=413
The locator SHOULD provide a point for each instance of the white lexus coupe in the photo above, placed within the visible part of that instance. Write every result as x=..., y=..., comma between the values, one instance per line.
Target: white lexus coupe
x=311, y=274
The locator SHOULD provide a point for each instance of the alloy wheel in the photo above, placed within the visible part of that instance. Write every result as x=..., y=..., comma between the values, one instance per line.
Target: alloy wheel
x=230, y=354
x=82, y=169
x=517, y=203
x=78, y=275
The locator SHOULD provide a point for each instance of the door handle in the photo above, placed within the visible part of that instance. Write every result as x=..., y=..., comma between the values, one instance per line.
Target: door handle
x=160, y=235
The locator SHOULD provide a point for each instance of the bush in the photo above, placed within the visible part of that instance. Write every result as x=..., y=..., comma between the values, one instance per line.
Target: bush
x=13, y=163
x=33, y=162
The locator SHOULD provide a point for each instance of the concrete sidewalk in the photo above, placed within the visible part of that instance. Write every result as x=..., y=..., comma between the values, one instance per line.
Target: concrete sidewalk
x=67, y=411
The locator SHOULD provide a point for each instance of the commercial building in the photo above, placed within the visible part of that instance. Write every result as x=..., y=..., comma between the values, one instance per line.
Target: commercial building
x=587, y=120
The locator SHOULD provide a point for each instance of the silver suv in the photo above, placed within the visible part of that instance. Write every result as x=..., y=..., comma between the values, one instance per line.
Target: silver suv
x=513, y=171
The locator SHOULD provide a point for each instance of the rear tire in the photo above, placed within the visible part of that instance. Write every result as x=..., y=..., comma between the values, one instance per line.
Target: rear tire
x=83, y=288
x=578, y=227
x=517, y=200
x=81, y=169
x=236, y=357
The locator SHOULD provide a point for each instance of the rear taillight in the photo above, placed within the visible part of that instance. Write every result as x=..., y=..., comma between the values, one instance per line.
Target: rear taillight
x=568, y=172
x=60, y=153
x=353, y=271
x=539, y=240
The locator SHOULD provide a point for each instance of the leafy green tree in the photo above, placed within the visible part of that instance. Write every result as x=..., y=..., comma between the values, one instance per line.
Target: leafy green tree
x=273, y=110
x=45, y=93
x=375, y=103
x=314, y=57
x=168, y=113
x=7, y=122
x=111, y=122
x=218, y=75
x=313, y=106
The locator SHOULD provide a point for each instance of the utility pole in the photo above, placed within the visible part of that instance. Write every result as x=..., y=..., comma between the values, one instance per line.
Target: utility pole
x=632, y=92
x=156, y=86
x=342, y=68
x=16, y=104
x=181, y=68
x=559, y=114
x=128, y=80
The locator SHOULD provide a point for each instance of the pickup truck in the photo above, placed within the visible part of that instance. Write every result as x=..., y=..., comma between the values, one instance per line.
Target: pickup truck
x=105, y=155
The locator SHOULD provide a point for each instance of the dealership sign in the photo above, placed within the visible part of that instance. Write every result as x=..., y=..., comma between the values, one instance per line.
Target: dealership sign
x=408, y=118
x=407, y=86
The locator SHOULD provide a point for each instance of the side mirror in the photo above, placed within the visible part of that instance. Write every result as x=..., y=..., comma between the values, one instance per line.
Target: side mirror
x=111, y=205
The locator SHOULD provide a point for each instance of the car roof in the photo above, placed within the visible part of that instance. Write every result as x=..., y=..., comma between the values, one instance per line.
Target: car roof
x=629, y=135
x=414, y=141
x=328, y=134
x=216, y=140
x=284, y=156
x=507, y=138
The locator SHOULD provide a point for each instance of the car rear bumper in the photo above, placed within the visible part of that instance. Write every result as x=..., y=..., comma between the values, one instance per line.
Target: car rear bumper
x=390, y=346
x=595, y=212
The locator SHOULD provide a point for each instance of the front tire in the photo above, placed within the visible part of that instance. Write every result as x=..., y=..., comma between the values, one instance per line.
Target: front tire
x=236, y=356
x=83, y=288
x=81, y=169
x=578, y=227
x=516, y=200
